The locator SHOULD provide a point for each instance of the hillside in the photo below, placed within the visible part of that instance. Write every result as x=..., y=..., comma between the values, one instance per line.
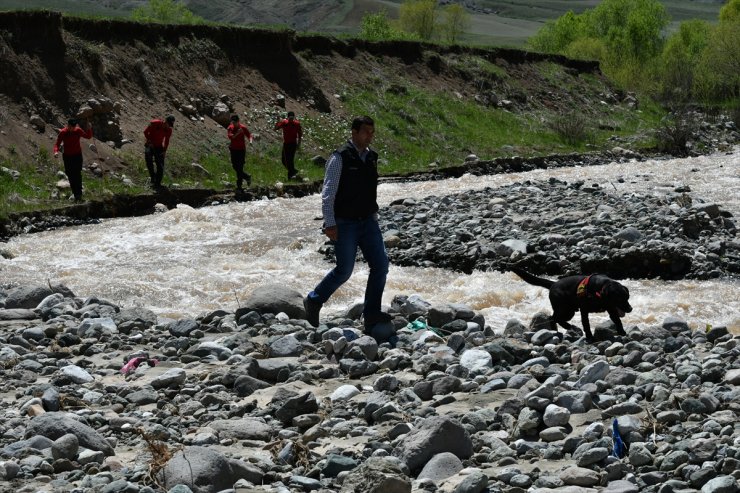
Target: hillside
x=493, y=22
x=434, y=106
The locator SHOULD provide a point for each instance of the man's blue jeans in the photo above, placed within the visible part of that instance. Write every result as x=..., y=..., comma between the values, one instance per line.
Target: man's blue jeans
x=365, y=234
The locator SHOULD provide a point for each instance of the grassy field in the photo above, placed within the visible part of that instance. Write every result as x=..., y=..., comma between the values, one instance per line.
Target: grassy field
x=495, y=23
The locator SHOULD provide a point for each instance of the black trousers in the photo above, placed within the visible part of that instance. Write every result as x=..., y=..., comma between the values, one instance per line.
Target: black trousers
x=289, y=157
x=152, y=156
x=73, y=170
x=238, y=157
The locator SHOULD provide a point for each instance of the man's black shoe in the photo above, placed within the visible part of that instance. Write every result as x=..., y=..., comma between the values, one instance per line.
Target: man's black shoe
x=377, y=318
x=312, y=310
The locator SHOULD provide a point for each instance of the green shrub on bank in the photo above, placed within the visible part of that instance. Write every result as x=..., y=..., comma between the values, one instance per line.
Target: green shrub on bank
x=420, y=20
x=165, y=12
x=718, y=69
x=674, y=133
x=680, y=59
x=378, y=27
x=571, y=127
x=624, y=35
x=699, y=61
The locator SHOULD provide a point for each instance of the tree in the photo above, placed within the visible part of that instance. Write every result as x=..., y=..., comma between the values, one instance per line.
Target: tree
x=631, y=29
x=377, y=27
x=680, y=57
x=730, y=12
x=626, y=35
x=419, y=17
x=165, y=12
x=455, y=21
x=557, y=35
x=718, y=70
x=586, y=49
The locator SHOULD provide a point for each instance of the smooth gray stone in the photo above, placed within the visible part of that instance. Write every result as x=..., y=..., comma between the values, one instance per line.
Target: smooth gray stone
x=57, y=424
x=434, y=435
x=441, y=466
x=204, y=470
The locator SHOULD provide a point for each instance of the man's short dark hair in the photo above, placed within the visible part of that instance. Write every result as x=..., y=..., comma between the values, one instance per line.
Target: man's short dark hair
x=234, y=118
x=170, y=119
x=72, y=121
x=290, y=113
x=359, y=121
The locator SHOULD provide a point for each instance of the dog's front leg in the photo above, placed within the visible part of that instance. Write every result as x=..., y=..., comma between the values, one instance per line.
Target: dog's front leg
x=586, y=325
x=614, y=316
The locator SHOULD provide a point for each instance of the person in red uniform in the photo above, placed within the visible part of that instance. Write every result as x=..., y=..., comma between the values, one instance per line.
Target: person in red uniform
x=292, y=134
x=69, y=137
x=157, y=135
x=238, y=134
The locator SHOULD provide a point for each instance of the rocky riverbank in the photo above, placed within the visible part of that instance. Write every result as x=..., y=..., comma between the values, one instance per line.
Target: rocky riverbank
x=563, y=228
x=101, y=398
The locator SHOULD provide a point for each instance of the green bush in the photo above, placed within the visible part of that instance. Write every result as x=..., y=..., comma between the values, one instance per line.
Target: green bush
x=586, y=49
x=624, y=35
x=455, y=20
x=377, y=27
x=680, y=57
x=674, y=132
x=165, y=12
x=730, y=12
x=571, y=127
x=419, y=17
x=555, y=36
x=718, y=70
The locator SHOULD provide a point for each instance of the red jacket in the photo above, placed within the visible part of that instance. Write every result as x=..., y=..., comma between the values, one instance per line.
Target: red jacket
x=157, y=134
x=238, y=142
x=291, y=130
x=71, y=140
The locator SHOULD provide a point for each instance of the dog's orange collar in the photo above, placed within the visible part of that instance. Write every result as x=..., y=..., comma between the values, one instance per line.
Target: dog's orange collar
x=582, y=290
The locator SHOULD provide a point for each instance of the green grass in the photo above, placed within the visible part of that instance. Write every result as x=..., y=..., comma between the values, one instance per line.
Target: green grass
x=36, y=187
x=415, y=128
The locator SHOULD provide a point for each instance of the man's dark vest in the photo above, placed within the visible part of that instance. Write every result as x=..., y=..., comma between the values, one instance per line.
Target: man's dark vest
x=358, y=184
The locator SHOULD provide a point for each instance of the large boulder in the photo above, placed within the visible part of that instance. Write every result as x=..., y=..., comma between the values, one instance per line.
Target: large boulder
x=57, y=424
x=441, y=466
x=206, y=471
x=435, y=435
x=243, y=429
x=377, y=475
x=31, y=296
x=274, y=298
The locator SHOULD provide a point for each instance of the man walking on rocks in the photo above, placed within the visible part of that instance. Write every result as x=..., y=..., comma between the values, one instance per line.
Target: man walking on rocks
x=292, y=134
x=238, y=133
x=157, y=135
x=69, y=139
x=351, y=220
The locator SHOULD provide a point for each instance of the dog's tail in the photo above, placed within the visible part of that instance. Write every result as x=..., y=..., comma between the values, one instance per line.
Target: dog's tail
x=532, y=279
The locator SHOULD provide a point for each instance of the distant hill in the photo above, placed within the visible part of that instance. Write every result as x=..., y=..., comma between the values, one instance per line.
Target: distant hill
x=494, y=22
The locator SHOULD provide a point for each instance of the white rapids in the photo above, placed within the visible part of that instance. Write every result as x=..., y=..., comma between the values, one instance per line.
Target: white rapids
x=187, y=261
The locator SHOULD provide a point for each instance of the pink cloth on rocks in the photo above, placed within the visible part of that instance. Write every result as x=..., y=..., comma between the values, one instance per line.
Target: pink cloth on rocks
x=134, y=363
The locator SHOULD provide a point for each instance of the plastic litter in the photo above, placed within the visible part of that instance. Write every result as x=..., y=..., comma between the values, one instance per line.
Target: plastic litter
x=620, y=449
x=134, y=363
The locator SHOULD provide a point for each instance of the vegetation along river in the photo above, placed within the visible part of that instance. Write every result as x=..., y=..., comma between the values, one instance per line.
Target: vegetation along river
x=185, y=261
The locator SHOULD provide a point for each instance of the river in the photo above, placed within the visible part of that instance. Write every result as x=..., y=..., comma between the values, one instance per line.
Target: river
x=187, y=261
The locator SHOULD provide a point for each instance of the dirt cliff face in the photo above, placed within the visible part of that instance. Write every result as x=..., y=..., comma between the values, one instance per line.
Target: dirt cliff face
x=119, y=75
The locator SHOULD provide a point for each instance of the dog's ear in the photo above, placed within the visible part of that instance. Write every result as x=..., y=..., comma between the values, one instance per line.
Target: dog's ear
x=615, y=289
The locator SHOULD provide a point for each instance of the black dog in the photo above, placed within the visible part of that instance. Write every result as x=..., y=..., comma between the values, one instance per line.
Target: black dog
x=594, y=293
